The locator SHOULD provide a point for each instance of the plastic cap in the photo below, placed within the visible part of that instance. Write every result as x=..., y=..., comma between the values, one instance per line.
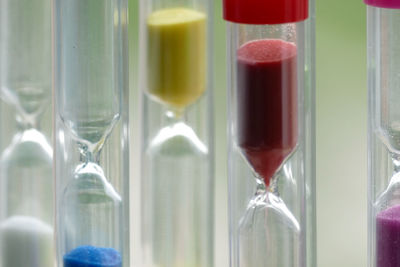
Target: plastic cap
x=265, y=11
x=395, y=4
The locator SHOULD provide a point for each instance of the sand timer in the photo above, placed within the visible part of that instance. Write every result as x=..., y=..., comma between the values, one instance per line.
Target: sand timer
x=92, y=179
x=270, y=108
x=26, y=183
x=384, y=132
x=177, y=152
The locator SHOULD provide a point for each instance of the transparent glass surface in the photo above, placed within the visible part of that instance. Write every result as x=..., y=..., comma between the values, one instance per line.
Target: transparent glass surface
x=384, y=119
x=310, y=137
x=177, y=149
x=92, y=174
x=271, y=146
x=26, y=182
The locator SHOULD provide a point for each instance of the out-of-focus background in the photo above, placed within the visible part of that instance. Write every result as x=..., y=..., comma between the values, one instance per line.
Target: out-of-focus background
x=341, y=107
x=341, y=133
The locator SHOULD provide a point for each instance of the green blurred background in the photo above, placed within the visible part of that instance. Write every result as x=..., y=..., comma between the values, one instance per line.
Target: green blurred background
x=341, y=107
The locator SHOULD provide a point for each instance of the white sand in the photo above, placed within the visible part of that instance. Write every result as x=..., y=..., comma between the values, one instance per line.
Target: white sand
x=26, y=242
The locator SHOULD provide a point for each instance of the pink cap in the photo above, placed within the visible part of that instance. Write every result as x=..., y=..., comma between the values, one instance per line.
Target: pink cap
x=395, y=4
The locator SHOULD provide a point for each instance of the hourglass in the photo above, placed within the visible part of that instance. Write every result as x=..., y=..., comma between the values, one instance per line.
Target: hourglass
x=92, y=178
x=270, y=119
x=384, y=133
x=26, y=183
x=267, y=136
x=177, y=151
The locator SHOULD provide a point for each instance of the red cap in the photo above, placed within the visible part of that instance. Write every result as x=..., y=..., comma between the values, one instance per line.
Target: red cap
x=265, y=11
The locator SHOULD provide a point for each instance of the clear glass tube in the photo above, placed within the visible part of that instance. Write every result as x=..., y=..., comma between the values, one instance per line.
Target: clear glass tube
x=271, y=153
x=91, y=124
x=384, y=136
x=26, y=157
x=310, y=137
x=177, y=143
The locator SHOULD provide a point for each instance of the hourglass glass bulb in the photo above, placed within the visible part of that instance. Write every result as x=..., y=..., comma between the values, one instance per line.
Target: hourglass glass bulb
x=267, y=229
x=176, y=37
x=26, y=189
x=18, y=235
x=391, y=195
x=26, y=75
x=177, y=139
x=29, y=103
x=387, y=208
x=27, y=174
x=88, y=197
x=90, y=180
x=267, y=104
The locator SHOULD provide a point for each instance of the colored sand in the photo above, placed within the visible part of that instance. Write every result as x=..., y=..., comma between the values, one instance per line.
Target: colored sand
x=26, y=242
x=176, y=56
x=267, y=103
x=89, y=256
x=388, y=237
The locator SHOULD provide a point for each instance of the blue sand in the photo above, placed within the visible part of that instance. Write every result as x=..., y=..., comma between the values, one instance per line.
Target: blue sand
x=89, y=256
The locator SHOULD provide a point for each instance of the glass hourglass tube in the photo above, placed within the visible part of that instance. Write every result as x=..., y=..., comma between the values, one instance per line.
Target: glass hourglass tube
x=91, y=110
x=271, y=154
x=177, y=148
x=384, y=132
x=26, y=184
x=309, y=140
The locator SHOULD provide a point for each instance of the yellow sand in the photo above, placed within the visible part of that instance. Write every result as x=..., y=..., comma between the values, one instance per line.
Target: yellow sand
x=176, y=56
